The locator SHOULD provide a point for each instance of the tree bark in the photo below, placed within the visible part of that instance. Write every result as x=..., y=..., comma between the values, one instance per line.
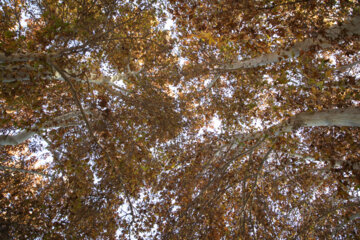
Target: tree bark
x=324, y=41
x=6, y=140
x=15, y=73
x=347, y=117
x=60, y=121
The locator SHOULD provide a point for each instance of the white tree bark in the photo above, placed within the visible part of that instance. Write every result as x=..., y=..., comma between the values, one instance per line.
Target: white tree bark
x=13, y=73
x=105, y=80
x=21, y=137
x=7, y=140
x=348, y=29
x=57, y=122
x=347, y=117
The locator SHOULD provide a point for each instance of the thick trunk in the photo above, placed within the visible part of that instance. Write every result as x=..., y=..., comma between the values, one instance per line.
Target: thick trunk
x=347, y=117
x=324, y=41
x=16, y=139
x=57, y=122
x=7, y=140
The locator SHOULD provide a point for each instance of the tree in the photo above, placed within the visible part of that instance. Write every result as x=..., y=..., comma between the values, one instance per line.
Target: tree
x=125, y=108
x=55, y=87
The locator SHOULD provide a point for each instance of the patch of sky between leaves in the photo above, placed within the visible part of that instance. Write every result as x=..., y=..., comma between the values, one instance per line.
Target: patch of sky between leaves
x=215, y=123
x=169, y=26
x=124, y=211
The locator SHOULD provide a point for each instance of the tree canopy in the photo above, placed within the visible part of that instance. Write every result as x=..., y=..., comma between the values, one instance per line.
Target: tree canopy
x=205, y=119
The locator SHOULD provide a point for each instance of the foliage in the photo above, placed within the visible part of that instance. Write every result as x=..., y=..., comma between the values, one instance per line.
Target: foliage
x=107, y=127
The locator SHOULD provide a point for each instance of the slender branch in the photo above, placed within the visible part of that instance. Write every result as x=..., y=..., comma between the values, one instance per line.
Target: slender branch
x=346, y=67
x=216, y=177
x=326, y=169
x=91, y=132
x=351, y=218
x=211, y=84
x=253, y=188
x=99, y=37
x=324, y=214
x=75, y=96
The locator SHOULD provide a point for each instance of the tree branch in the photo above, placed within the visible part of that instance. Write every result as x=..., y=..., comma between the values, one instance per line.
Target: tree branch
x=350, y=28
x=24, y=171
x=91, y=132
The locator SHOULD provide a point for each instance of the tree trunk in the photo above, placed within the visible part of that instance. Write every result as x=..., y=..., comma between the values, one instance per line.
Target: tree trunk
x=347, y=117
x=6, y=140
x=57, y=122
x=324, y=41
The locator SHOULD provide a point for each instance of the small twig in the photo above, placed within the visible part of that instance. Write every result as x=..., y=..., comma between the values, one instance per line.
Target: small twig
x=253, y=188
